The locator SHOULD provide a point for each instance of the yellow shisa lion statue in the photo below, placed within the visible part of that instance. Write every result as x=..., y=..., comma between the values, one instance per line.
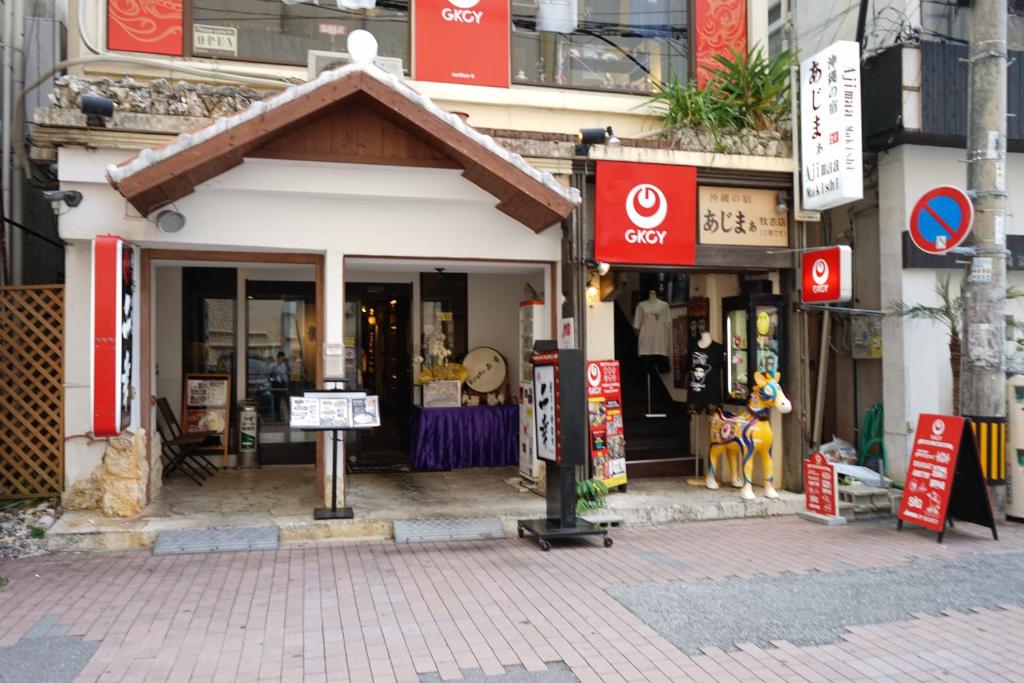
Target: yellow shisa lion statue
x=739, y=436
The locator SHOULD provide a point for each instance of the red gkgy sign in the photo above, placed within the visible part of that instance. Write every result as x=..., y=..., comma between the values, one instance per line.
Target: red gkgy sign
x=111, y=351
x=827, y=275
x=462, y=41
x=645, y=213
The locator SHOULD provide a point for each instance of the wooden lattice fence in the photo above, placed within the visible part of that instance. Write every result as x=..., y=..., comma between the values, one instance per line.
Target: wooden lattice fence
x=31, y=391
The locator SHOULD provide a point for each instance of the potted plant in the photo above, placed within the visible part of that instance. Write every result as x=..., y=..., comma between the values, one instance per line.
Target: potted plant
x=591, y=496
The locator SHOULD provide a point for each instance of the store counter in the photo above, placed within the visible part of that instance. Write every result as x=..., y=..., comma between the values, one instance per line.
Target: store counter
x=473, y=436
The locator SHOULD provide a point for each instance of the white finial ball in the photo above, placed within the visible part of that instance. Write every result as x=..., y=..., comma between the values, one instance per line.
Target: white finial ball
x=362, y=46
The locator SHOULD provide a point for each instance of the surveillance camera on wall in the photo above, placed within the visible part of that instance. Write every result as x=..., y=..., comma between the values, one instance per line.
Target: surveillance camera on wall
x=70, y=197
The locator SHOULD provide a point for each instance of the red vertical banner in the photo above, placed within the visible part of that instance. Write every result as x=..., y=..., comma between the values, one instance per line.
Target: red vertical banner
x=717, y=26
x=151, y=26
x=604, y=417
x=111, y=350
x=462, y=41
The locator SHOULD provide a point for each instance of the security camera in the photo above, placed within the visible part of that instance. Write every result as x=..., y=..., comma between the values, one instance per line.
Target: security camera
x=70, y=197
x=97, y=109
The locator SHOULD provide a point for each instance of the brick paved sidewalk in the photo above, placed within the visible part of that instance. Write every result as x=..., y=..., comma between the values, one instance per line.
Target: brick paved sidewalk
x=382, y=612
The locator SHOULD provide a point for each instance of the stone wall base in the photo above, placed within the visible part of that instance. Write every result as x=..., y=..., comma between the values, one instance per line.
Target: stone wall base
x=120, y=484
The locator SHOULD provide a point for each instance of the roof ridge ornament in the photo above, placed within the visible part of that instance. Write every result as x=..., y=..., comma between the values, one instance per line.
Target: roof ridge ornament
x=362, y=47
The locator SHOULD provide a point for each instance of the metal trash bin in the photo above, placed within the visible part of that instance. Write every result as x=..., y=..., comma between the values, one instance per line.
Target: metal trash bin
x=248, y=435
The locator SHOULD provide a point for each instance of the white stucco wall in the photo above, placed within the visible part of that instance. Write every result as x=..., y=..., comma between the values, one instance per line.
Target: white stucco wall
x=916, y=371
x=278, y=206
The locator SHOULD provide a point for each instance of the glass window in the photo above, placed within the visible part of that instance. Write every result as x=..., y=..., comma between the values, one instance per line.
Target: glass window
x=776, y=28
x=273, y=31
x=619, y=45
x=737, y=374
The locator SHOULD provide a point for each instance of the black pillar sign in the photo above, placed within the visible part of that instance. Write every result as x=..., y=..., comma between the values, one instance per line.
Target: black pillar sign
x=561, y=426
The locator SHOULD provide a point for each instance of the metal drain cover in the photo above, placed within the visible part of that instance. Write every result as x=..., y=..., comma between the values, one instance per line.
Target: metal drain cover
x=226, y=539
x=456, y=529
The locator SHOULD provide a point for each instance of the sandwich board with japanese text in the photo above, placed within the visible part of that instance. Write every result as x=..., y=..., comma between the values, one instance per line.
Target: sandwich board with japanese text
x=944, y=478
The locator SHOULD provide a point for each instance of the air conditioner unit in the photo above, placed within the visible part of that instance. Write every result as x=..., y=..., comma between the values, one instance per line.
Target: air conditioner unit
x=318, y=61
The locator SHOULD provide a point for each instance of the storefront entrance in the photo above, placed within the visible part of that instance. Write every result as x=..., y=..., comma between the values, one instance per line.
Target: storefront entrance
x=380, y=316
x=281, y=348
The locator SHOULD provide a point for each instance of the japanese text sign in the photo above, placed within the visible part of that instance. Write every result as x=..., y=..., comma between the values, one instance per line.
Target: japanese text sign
x=830, y=127
x=826, y=275
x=930, y=473
x=821, y=485
x=545, y=398
x=645, y=213
x=740, y=217
x=111, y=321
x=462, y=41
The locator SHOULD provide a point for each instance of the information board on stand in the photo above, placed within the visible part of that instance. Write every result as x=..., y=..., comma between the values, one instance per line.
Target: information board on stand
x=604, y=418
x=334, y=411
x=944, y=479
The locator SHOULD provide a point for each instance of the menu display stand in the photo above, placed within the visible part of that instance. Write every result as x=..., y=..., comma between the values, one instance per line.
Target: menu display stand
x=334, y=411
x=560, y=417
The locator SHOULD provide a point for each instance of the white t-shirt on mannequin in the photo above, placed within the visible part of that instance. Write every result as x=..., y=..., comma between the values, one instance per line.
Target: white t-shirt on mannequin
x=654, y=322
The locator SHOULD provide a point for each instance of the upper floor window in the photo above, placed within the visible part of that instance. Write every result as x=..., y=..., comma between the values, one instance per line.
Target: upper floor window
x=281, y=32
x=776, y=27
x=619, y=45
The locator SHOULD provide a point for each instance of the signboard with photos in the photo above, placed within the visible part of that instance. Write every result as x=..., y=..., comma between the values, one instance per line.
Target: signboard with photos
x=334, y=410
x=831, y=154
x=207, y=408
x=604, y=418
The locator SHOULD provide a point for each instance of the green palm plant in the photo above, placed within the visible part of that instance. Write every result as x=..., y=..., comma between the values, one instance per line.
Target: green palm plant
x=745, y=90
x=947, y=312
x=754, y=86
x=685, y=103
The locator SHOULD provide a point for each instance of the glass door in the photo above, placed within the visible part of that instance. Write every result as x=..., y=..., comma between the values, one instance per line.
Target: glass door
x=281, y=347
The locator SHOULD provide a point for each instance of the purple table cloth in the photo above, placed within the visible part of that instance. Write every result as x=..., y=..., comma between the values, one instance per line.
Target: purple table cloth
x=474, y=436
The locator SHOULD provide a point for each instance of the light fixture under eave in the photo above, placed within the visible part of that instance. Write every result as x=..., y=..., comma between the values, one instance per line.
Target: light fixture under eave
x=170, y=220
x=603, y=267
x=781, y=206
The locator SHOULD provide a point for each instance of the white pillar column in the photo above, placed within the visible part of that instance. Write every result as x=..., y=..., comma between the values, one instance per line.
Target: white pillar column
x=333, y=333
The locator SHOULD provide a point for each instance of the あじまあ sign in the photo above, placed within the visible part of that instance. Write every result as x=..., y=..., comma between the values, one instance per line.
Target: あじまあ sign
x=645, y=213
x=111, y=321
x=830, y=127
x=462, y=41
x=826, y=275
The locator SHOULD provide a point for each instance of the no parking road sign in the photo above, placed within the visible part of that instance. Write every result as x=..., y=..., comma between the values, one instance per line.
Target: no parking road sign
x=941, y=219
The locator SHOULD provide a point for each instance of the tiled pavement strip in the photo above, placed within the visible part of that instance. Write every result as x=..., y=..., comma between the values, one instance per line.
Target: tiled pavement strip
x=385, y=612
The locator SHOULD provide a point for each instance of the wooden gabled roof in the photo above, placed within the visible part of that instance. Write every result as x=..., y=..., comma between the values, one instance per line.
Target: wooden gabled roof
x=432, y=137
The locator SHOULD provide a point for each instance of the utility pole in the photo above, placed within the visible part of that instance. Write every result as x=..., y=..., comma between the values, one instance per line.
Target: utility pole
x=983, y=364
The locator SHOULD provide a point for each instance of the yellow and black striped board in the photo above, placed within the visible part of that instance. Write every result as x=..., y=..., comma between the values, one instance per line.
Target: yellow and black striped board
x=991, y=435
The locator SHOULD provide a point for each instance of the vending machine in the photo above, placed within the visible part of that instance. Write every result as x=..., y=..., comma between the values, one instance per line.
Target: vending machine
x=753, y=341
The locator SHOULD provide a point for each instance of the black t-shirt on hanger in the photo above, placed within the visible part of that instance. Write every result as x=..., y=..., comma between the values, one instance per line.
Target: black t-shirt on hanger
x=704, y=379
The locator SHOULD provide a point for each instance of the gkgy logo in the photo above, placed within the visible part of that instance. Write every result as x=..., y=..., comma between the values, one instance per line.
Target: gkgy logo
x=463, y=12
x=646, y=208
x=820, y=273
